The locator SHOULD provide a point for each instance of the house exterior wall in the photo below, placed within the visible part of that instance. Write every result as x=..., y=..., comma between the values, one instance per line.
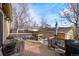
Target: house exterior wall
x=5, y=25
x=69, y=35
x=61, y=36
x=5, y=30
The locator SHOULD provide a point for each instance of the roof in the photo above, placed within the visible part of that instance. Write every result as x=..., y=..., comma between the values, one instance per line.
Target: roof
x=63, y=29
x=46, y=29
x=60, y=29
x=7, y=9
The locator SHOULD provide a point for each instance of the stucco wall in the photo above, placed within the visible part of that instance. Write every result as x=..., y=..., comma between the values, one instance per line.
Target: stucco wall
x=5, y=25
x=5, y=29
x=69, y=35
x=61, y=35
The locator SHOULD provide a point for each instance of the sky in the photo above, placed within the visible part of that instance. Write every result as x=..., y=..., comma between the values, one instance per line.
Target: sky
x=49, y=12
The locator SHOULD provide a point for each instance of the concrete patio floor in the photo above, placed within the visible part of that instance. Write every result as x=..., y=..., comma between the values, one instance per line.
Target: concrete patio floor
x=35, y=48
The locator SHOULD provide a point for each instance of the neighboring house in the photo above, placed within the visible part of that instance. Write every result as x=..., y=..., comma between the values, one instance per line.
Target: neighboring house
x=46, y=32
x=66, y=32
x=63, y=32
x=69, y=34
x=77, y=32
x=5, y=17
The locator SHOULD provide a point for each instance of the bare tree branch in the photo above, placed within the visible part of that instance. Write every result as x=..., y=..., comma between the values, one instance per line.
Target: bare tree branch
x=72, y=16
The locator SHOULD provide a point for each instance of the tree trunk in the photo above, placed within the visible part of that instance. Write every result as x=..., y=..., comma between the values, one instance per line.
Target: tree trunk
x=76, y=32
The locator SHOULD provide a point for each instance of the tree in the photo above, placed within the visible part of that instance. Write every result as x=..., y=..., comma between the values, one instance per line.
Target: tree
x=34, y=25
x=72, y=15
x=20, y=16
x=14, y=22
x=29, y=24
x=43, y=22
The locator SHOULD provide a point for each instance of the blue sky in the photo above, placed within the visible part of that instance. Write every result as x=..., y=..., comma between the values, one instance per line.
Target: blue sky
x=47, y=8
x=48, y=11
